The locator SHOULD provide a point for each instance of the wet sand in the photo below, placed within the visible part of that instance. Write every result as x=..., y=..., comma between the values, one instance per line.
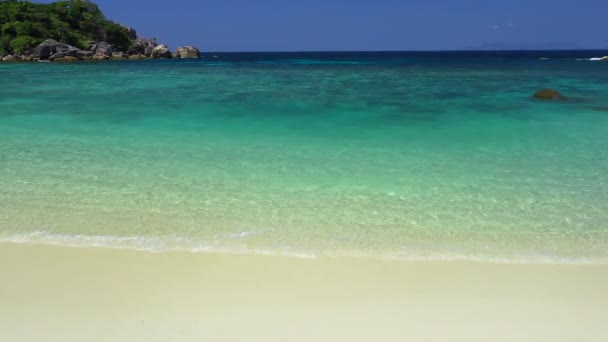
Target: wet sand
x=52, y=293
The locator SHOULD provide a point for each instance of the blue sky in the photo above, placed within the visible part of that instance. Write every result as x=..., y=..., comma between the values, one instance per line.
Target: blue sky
x=299, y=25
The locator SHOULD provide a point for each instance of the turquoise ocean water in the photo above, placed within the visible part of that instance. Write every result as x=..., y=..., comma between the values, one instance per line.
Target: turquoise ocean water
x=405, y=155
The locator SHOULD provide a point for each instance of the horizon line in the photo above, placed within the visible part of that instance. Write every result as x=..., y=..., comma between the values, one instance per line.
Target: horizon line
x=392, y=51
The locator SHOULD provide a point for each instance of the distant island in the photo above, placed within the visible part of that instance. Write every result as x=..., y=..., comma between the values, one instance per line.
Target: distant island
x=72, y=31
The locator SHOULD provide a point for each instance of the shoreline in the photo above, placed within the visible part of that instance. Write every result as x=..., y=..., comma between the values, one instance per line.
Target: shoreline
x=105, y=243
x=57, y=293
x=93, y=60
x=111, y=59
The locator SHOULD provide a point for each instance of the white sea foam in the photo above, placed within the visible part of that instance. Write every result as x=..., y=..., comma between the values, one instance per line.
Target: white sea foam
x=138, y=243
x=173, y=244
x=598, y=58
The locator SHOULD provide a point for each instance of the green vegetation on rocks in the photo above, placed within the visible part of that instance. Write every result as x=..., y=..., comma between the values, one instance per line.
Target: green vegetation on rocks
x=24, y=25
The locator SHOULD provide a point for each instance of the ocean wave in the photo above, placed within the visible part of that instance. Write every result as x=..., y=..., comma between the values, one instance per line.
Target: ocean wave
x=178, y=244
x=137, y=243
x=605, y=58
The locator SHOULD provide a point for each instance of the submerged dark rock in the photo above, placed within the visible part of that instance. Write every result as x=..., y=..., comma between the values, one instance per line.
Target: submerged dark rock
x=548, y=94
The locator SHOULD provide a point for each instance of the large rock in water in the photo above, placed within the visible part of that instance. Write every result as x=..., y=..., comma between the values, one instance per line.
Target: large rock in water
x=102, y=49
x=50, y=47
x=186, y=52
x=548, y=94
x=144, y=47
x=161, y=51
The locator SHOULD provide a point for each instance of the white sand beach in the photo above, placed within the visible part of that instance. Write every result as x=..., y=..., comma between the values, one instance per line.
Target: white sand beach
x=50, y=293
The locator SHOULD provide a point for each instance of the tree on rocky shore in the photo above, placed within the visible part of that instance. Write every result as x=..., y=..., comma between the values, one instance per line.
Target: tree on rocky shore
x=24, y=25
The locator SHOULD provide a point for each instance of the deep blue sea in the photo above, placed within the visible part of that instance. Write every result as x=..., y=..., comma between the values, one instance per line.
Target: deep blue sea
x=434, y=155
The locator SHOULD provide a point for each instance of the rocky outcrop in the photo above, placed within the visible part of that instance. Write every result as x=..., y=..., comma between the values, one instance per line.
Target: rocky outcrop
x=150, y=47
x=138, y=47
x=58, y=55
x=50, y=48
x=80, y=54
x=142, y=46
x=84, y=54
x=53, y=50
x=102, y=49
x=66, y=59
x=548, y=94
x=187, y=52
x=100, y=57
x=11, y=58
x=45, y=49
x=161, y=51
x=119, y=55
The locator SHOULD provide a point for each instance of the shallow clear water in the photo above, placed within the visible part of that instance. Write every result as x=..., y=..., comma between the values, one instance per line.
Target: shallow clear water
x=437, y=155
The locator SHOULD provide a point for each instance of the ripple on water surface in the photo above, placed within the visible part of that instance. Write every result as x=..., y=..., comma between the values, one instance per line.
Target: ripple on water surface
x=308, y=158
